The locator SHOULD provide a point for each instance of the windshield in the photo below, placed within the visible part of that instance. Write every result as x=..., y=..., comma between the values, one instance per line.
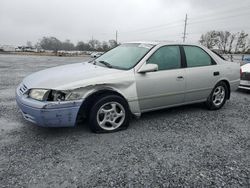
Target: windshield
x=125, y=56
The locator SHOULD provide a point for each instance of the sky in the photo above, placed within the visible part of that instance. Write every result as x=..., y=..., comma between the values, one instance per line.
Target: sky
x=134, y=20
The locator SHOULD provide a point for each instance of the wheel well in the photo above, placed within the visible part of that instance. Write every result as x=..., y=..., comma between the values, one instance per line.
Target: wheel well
x=89, y=101
x=228, y=87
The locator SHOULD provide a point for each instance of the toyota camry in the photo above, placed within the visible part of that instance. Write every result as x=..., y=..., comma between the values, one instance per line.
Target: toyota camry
x=126, y=81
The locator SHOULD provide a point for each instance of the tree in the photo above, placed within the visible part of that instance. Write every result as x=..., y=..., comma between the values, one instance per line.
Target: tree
x=231, y=41
x=209, y=39
x=105, y=46
x=226, y=41
x=51, y=43
x=247, y=51
x=94, y=44
x=82, y=46
x=112, y=44
x=223, y=40
x=67, y=45
x=241, y=44
x=29, y=44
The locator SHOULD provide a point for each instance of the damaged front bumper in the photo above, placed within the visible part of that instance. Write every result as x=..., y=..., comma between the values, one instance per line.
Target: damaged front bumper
x=49, y=114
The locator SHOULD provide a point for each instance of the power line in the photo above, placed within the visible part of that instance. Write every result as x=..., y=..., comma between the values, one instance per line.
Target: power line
x=159, y=29
x=218, y=18
x=225, y=15
x=168, y=26
x=247, y=29
x=218, y=13
x=154, y=27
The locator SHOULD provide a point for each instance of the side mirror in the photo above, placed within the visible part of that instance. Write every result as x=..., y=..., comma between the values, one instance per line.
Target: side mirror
x=148, y=68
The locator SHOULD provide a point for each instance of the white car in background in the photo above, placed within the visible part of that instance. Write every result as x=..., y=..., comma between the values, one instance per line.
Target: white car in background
x=246, y=59
x=245, y=77
x=96, y=54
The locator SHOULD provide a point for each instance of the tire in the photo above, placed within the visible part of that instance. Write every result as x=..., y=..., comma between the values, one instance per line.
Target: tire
x=218, y=96
x=109, y=114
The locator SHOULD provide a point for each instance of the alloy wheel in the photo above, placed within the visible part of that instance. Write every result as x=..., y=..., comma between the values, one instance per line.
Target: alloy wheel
x=219, y=95
x=110, y=116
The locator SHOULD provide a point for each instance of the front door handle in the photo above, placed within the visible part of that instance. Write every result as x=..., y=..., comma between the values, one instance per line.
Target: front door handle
x=180, y=78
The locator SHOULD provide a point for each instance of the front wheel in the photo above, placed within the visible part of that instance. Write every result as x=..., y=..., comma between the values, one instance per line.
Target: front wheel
x=218, y=96
x=109, y=114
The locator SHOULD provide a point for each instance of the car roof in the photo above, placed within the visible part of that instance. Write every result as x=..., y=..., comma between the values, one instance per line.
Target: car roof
x=163, y=43
x=142, y=42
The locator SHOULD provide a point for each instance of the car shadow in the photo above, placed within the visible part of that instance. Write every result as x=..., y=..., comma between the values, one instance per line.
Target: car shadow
x=82, y=129
x=82, y=126
x=171, y=110
x=243, y=91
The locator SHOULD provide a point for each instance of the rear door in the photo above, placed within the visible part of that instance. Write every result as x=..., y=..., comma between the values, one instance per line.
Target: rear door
x=201, y=73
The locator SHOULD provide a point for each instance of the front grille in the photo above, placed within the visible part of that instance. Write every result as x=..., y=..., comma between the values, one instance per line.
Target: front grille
x=23, y=88
x=245, y=76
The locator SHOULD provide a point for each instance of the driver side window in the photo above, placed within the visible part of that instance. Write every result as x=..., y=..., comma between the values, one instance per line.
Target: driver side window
x=167, y=57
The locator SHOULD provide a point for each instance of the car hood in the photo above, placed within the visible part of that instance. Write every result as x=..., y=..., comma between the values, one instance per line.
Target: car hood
x=69, y=76
x=245, y=68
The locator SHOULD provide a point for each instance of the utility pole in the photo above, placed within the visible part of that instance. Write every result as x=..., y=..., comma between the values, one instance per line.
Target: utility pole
x=185, y=29
x=116, y=37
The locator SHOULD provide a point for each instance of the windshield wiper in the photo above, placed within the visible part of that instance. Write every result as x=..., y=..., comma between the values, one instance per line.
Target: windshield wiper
x=106, y=64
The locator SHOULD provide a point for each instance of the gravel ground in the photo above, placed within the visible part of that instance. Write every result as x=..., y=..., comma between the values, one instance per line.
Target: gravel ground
x=179, y=147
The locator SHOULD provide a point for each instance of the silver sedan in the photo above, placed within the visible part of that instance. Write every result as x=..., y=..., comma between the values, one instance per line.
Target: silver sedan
x=131, y=79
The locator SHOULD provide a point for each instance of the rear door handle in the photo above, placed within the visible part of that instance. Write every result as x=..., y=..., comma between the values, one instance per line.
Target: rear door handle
x=217, y=73
x=180, y=78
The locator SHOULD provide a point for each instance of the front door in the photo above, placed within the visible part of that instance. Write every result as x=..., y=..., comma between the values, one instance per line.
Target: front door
x=165, y=87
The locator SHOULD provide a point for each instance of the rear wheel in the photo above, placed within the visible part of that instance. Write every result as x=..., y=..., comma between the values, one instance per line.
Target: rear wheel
x=218, y=96
x=109, y=114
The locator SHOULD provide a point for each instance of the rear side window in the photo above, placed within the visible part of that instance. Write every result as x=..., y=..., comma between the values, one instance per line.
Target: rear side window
x=196, y=57
x=167, y=57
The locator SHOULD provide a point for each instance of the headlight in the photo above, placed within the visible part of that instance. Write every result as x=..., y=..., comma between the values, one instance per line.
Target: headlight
x=53, y=95
x=57, y=96
x=73, y=96
x=63, y=96
x=38, y=94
